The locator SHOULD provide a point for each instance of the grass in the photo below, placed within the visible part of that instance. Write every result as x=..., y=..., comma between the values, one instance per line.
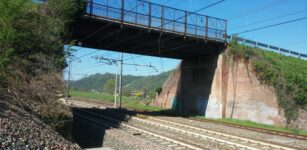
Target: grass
x=128, y=102
x=288, y=75
x=257, y=125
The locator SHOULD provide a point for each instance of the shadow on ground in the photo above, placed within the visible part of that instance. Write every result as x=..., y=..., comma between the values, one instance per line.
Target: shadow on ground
x=89, y=130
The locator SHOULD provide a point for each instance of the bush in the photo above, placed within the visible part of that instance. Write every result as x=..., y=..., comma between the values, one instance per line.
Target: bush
x=158, y=90
x=32, y=56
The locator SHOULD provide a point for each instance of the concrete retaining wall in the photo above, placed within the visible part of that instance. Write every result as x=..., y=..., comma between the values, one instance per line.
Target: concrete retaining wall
x=217, y=88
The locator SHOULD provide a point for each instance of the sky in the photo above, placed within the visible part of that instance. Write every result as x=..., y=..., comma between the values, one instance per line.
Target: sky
x=241, y=15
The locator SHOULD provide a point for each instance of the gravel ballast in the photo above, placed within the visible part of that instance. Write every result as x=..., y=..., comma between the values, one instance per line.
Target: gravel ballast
x=121, y=139
x=240, y=132
x=22, y=130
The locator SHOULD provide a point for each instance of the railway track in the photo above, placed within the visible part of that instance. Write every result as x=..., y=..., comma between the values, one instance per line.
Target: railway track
x=268, y=131
x=177, y=136
x=152, y=138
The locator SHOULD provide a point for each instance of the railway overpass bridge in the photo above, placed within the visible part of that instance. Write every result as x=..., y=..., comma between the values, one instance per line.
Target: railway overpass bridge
x=141, y=27
x=145, y=28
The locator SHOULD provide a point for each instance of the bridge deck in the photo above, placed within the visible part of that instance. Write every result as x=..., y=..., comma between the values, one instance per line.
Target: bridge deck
x=141, y=27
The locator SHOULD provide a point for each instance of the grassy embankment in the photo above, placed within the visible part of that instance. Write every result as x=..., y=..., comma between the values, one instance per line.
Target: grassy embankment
x=128, y=102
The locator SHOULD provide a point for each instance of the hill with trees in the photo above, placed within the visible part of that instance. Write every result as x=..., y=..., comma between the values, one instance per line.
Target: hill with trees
x=103, y=83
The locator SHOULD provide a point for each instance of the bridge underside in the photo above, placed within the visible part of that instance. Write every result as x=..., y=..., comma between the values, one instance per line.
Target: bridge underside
x=101, y=34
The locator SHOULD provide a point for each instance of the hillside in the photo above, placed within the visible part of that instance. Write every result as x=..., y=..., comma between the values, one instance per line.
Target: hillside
x=97, y=81
x=32, y=58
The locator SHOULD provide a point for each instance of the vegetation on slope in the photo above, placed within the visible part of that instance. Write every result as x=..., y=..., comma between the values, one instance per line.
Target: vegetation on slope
x=287, y=74
x=32, y=36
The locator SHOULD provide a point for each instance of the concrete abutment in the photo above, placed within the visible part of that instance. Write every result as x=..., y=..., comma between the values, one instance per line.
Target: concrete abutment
x=216, y=87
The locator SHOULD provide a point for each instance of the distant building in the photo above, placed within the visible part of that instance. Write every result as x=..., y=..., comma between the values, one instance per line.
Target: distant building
x=137, y=93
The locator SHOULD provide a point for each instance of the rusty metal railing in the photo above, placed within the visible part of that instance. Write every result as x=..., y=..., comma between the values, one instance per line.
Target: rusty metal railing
x=158, y=17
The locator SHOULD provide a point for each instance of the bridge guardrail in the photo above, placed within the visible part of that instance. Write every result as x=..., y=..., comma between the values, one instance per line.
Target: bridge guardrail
x=270, y=47
x=159, y=17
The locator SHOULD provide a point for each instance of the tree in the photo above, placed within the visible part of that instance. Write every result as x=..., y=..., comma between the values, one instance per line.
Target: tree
x=109, y=86
x=33, y=34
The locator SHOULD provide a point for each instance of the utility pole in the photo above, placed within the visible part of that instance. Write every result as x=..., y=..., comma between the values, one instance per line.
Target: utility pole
x=67, y=82
x=116, y=85
x=121, y=80
x=111, y=61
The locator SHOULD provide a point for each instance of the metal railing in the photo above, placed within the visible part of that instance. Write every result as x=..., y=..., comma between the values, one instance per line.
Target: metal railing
x=269, y=47
x=154, y=16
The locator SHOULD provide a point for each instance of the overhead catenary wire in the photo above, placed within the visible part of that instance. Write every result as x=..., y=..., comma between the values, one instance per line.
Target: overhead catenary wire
x=114, y=61
x=269, y=19
x=208, y=6
x=269, y=26
x=256, y=10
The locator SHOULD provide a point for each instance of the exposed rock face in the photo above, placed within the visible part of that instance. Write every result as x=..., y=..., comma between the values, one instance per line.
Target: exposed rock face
x=301, y=121
x=248, y=99
x=168, y=93
x=223, y=89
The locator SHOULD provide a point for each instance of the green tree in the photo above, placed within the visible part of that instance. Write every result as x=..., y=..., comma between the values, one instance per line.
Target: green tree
x=109, y=86
x=32, y=35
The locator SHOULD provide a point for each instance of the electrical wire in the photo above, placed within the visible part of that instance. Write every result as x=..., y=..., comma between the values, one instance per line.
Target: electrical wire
x=269, y=19
x=213, y=4
x=269, y=26
x=256, y=10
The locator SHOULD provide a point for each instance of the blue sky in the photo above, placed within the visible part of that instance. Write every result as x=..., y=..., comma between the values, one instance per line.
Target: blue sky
x=241, y=15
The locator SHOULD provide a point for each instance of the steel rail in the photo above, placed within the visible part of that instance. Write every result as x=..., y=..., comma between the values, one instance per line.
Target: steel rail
x=107, y=125
x=268, y=131
x=218, y=133
x=249, y=141
x=189, y=146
